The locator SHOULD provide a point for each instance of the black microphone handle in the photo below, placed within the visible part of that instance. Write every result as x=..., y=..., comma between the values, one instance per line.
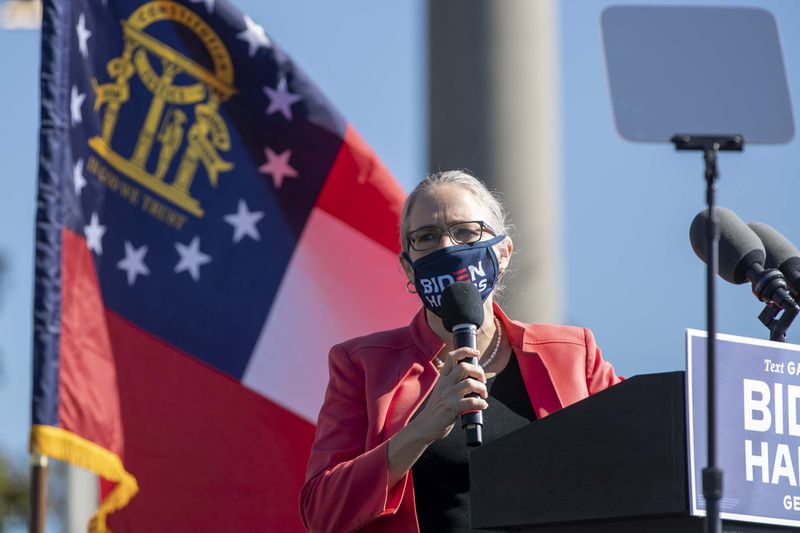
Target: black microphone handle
x=466, y=335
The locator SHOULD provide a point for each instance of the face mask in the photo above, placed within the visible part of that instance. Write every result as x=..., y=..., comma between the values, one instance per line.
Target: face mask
x=475, y=262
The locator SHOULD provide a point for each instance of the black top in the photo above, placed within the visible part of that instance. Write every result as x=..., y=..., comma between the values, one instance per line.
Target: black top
x=441, y=474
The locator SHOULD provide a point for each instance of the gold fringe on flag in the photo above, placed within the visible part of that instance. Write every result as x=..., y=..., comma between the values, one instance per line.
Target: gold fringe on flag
x=65, y=446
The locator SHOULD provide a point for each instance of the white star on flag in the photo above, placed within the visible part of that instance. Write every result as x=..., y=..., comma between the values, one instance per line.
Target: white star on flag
x=83, y=36
x=209, y=4
x=244, y=222
x=77, y=177
x=278, y=166
x=254, y=35
x=94, y=235
x=133, y=263
x=75, y=102
x=280, y=99
x=191, y=258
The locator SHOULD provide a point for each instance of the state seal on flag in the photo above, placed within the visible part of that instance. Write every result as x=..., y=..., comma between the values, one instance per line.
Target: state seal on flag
x=170, y=146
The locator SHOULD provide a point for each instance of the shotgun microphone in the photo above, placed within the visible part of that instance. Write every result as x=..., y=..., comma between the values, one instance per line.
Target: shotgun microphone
x=741, y=257
x=781, y=254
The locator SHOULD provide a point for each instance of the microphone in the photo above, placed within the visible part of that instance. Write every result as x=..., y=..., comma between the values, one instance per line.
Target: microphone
x=781, y=254
x=741, y=257
x=462, y=315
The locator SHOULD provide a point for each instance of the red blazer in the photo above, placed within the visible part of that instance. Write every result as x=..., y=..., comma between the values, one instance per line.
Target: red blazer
x=378, y=381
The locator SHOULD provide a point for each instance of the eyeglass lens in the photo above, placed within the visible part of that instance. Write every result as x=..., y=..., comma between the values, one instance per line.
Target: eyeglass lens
x=461, y=233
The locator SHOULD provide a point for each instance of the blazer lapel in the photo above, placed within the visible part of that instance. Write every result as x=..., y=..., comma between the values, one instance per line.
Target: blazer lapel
x=418, y=375
x=539, y=384
x=409, y=394
x=537, y=378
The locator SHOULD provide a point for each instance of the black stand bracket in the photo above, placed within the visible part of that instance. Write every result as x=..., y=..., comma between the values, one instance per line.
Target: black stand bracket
x=777, y=326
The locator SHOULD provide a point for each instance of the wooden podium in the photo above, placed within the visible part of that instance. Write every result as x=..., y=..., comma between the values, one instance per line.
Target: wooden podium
x=612, y=463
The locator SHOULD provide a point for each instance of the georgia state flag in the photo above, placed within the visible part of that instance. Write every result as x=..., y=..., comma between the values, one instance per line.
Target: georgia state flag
x=208, y=226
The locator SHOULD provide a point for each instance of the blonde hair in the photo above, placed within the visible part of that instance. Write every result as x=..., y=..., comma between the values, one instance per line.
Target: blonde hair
x=498, y=216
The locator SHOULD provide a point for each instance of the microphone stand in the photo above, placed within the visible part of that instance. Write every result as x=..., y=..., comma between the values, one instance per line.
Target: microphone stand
x=711, y=145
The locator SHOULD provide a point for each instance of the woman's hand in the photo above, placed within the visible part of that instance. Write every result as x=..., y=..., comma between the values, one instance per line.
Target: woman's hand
x=447, y=399
x=435, y=421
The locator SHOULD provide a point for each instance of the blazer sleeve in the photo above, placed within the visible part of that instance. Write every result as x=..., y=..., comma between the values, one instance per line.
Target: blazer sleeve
x=346, y=484
x=599, y=372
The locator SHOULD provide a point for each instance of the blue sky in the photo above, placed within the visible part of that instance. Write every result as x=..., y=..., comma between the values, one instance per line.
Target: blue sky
x=630, y=273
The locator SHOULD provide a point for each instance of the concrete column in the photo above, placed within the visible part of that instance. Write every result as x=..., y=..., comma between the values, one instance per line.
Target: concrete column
x=82, y=498
x=494, y=109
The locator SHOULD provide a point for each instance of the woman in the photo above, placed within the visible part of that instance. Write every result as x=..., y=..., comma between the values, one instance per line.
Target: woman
x=386, y=456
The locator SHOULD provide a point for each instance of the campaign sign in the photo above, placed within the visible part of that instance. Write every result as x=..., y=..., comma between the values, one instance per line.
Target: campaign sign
x=758, y=431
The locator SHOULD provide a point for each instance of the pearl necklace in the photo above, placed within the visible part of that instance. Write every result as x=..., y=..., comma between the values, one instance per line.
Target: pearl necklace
x=487, y=361
x=499, y=330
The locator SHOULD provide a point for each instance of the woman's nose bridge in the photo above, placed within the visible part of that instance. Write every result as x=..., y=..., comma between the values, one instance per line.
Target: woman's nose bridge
x=446, y=234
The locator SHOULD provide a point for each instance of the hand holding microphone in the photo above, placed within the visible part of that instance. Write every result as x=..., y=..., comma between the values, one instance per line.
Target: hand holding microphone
x=462, y=314
x=461, y=387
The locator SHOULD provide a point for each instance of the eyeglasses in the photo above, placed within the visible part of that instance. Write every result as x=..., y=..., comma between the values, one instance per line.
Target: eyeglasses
x=427, y=238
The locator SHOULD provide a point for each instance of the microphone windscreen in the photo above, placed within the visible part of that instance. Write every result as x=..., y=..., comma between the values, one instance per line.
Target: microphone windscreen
x=781, y=253
x=739, y=246
x=461, y=304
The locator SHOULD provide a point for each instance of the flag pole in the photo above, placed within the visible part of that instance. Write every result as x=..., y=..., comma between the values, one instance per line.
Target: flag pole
x=38, y=492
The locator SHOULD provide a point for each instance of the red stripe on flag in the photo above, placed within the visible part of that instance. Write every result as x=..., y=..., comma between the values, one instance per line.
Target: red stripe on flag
x=210, y=455
x=88, y=402
x=361, y=192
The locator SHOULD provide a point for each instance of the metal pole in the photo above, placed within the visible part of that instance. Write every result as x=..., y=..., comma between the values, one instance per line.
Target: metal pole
x=712, y=475
x=38, y=492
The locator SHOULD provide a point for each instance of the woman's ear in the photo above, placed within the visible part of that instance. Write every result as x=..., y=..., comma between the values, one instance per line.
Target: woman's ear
x=406, y=266
x=504, y=251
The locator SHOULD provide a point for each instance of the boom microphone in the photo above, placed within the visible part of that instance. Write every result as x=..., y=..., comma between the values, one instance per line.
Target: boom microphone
x=741, y=257
x=781, y=254
x=462, y=315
